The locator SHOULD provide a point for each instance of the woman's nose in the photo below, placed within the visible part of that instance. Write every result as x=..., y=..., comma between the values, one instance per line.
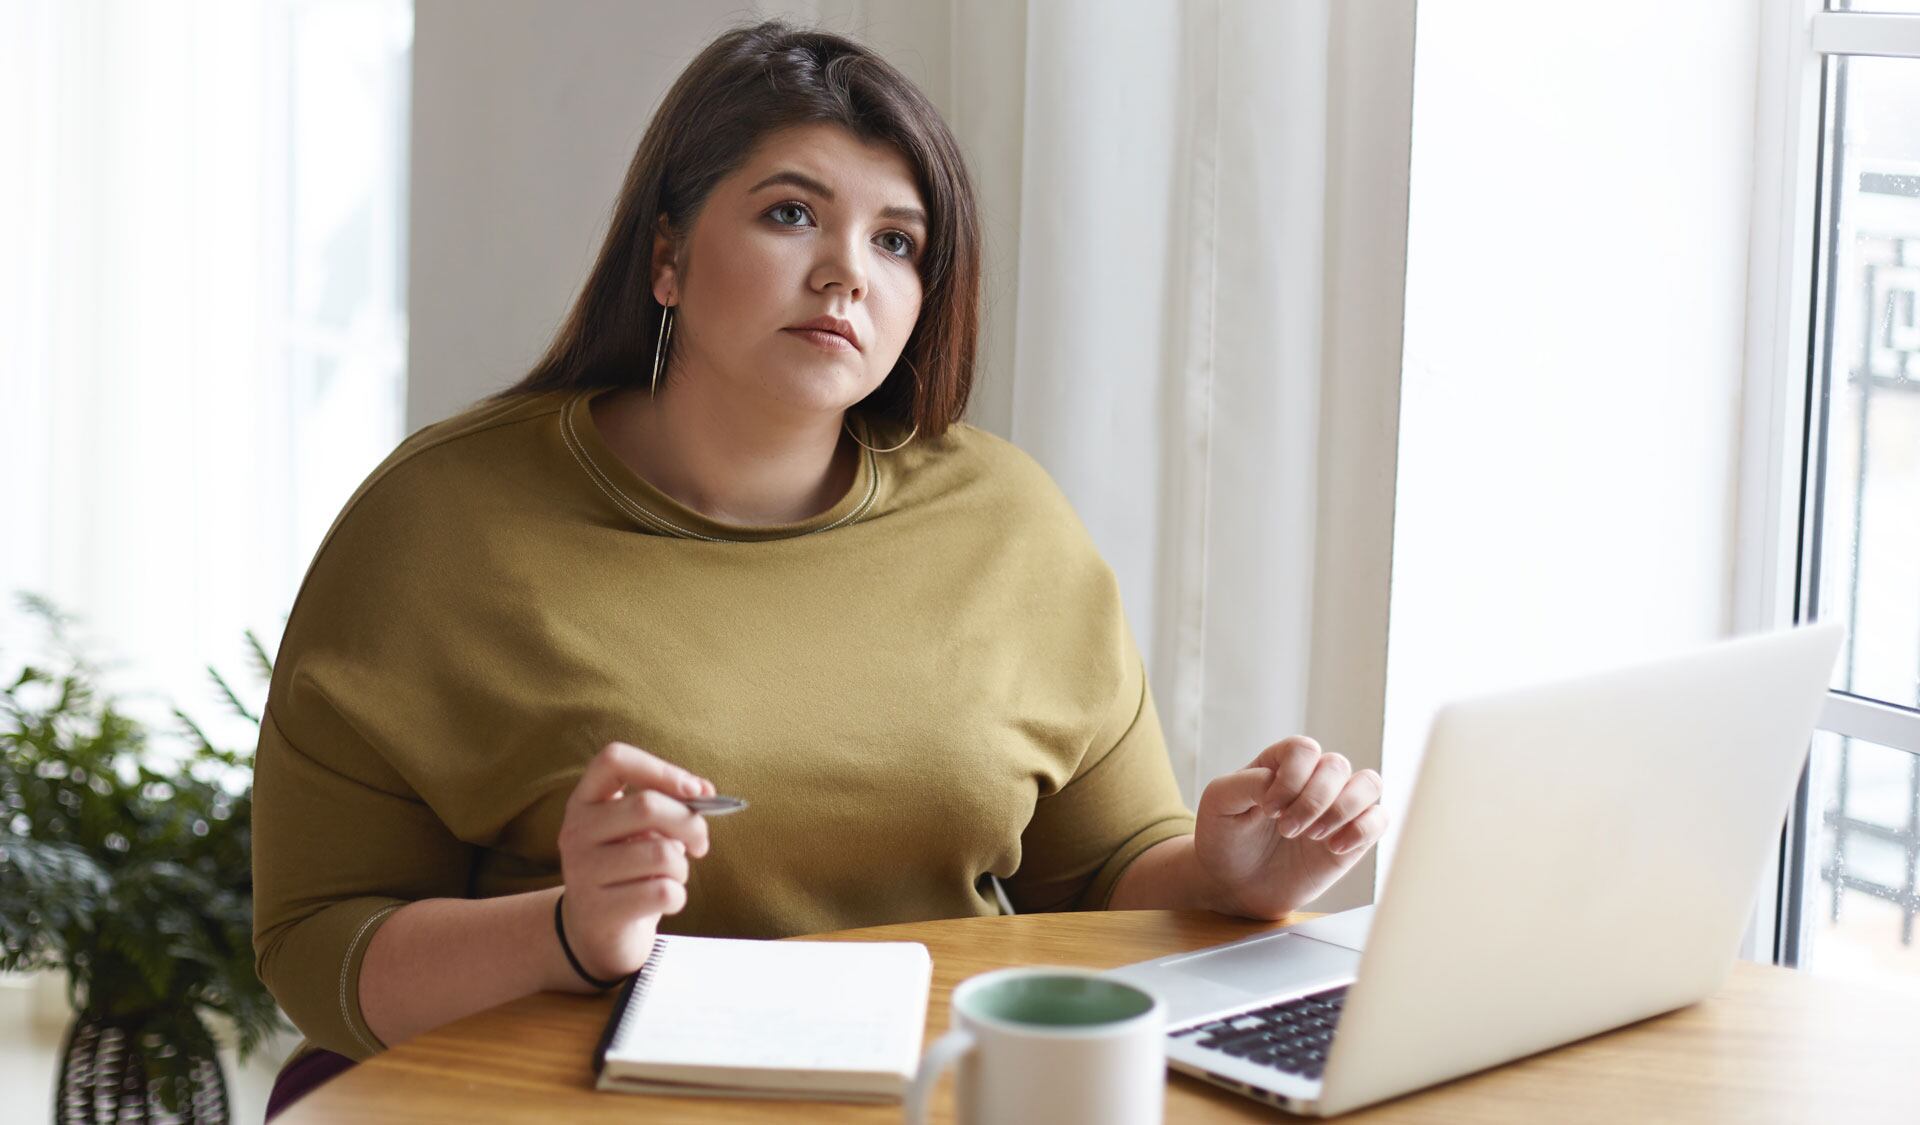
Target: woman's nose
x=841, y=265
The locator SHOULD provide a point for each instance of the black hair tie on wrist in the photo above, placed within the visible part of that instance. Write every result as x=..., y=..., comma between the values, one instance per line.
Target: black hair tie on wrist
x=560, y=928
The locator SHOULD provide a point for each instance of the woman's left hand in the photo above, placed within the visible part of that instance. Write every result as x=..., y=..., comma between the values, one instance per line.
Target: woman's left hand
x=1273, y=836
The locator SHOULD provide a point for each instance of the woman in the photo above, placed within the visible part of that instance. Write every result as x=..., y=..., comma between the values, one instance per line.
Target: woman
x=676, y=558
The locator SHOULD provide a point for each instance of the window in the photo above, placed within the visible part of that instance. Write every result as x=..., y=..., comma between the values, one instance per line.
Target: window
x=1858, y=916
x=348, y=84
x=1849, y=268
x=202, y=323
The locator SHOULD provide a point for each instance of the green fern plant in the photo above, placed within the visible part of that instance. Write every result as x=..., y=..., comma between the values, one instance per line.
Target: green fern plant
x=127, y=869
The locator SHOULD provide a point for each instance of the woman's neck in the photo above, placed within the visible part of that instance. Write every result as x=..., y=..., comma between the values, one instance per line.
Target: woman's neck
x=728, y=464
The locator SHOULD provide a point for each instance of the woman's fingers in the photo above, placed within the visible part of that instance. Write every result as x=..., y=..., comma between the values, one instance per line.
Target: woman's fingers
x=1311, y=793
x=649, y=896
x=1292, y=761
x=1363, y=831
x=619, y=767
x=1329, y=776
x=1231, y=794
x=657, y=812
x=1362, y=791
x=626, y=861
x=642, y=813
x=634, y=814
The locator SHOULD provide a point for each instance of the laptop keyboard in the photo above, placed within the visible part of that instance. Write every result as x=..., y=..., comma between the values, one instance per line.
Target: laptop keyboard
x=1292, y=1036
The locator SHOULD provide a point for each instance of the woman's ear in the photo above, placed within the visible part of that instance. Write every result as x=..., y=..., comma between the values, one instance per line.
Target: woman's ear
x=661, y=269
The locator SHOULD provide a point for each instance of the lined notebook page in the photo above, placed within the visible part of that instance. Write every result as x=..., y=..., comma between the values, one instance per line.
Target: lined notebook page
x=779, y=1005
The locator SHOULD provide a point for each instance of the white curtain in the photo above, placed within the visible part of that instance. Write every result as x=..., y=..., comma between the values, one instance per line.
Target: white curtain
x=201, y=314
x=1167, y=338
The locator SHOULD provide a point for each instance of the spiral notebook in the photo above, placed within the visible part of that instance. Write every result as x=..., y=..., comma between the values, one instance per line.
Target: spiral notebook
x=724, y=1017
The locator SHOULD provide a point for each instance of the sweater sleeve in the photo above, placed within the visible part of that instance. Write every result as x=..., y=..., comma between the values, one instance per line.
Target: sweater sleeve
x=1121, y=801
x=342, y=833
x=336, y=851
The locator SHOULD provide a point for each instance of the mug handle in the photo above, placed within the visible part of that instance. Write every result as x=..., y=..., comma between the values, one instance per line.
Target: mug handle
x=944, y=1053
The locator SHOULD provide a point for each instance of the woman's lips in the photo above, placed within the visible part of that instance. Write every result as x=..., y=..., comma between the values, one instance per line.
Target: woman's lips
x=828, y=341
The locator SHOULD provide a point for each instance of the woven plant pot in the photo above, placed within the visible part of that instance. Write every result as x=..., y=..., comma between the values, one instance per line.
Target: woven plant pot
x=145, y=1067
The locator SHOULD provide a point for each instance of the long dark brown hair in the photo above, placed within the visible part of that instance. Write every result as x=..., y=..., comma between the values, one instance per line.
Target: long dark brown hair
x=751, y=81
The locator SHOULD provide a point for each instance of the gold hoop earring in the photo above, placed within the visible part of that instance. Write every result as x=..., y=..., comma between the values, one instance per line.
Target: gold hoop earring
x=910, y=433
x=888, y=449
x=660, y=347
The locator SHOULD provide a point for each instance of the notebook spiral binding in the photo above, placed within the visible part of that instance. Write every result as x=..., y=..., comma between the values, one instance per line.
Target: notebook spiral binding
x=631, y=993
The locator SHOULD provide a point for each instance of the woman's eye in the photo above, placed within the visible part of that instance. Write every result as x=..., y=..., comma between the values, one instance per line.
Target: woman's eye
x=787, y=207
x=906, y=244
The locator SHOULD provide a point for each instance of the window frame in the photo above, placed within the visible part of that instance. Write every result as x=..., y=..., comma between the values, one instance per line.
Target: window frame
x=1776, y=547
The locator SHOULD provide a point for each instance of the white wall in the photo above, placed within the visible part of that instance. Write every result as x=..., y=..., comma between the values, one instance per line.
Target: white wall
x=1576, y=286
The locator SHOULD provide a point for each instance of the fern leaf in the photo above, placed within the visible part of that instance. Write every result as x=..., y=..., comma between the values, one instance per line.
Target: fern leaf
x=261, y=660
x=232, y=700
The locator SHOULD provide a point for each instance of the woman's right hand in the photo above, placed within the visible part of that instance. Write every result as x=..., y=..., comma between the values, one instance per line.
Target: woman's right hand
x=624, y=848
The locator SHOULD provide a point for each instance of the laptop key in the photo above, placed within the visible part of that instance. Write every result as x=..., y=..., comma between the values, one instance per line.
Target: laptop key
x=1291, y=1036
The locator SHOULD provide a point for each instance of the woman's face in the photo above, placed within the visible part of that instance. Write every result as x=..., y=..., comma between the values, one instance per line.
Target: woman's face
x=816, y=223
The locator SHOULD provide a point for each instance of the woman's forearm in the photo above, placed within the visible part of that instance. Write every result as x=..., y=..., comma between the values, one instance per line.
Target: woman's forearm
x=439, y=959
x=1166, y=876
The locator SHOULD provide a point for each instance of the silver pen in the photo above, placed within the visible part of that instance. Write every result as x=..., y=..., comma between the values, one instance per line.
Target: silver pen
x=713, y=806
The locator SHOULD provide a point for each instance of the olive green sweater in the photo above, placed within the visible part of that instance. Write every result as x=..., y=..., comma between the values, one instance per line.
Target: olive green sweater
x=930, y=683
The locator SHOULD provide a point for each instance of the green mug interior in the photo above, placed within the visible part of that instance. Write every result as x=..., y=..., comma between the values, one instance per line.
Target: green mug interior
x=1058, y=1001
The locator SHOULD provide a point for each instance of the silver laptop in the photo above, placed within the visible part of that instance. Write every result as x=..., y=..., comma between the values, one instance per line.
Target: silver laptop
x=1575, y=857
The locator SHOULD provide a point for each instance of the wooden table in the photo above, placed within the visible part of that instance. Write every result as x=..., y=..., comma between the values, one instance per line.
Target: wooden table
x=1773, y=1045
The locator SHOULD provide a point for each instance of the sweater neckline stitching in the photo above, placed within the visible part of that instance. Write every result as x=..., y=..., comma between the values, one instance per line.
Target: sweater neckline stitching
x=570, y=437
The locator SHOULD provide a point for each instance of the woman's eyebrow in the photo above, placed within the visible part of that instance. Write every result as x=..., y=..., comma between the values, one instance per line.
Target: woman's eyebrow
x=802, y=180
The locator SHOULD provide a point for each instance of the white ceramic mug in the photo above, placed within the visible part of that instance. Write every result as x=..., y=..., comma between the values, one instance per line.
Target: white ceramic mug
x=1054, y=1045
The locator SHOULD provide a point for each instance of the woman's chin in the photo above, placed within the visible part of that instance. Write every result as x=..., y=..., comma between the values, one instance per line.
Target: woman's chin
x=826, y=391
x=823, y=399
